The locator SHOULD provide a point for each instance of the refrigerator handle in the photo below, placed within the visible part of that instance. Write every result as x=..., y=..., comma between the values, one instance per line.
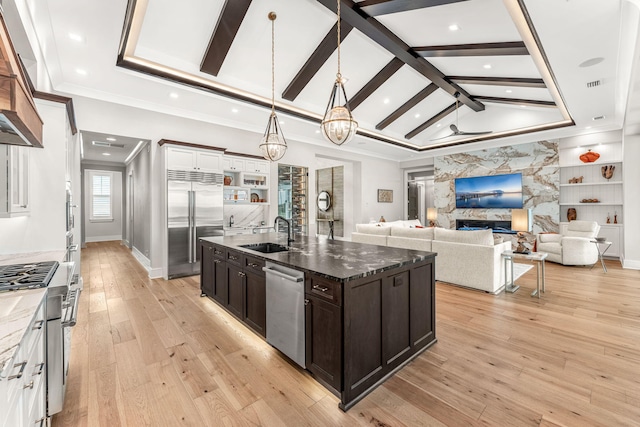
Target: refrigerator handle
x=191, y=226
x=194, y=242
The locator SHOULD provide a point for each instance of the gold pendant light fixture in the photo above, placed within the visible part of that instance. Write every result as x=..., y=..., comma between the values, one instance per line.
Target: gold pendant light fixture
x=273, y=145
x=338, y=125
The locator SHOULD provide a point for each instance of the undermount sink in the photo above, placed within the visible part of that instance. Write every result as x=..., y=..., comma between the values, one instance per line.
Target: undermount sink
x=266, y=248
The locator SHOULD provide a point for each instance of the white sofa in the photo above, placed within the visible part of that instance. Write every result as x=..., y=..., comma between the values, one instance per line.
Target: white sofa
x=466, y=258
x=575, y=247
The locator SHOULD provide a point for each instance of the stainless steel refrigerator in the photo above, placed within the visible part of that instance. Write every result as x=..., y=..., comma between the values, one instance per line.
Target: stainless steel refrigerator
x=194, y=210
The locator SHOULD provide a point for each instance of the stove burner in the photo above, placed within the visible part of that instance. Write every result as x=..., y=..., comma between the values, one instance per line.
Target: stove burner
x=26, y=276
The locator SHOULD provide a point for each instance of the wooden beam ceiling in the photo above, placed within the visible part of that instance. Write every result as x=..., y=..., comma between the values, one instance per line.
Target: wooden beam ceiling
x=514, y=101
x=442, y=114
x=499, y=81
x=383, y=7
x=377, y=32
x=389, y=70
x=232, y=15
x=317, y=59
x=477, y=49
x=415, y=100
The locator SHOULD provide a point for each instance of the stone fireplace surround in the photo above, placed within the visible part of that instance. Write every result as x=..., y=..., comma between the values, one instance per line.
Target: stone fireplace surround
x=497, y=226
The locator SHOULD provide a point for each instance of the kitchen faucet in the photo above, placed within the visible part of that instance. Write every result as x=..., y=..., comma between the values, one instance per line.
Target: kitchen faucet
x=275, y=226
x=230, y=220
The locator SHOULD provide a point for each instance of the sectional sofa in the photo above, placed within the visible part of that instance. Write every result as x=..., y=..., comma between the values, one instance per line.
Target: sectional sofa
x=466, y=258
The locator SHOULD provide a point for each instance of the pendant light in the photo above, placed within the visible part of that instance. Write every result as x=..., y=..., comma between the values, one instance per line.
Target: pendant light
x=273, y=145
x=338, y=125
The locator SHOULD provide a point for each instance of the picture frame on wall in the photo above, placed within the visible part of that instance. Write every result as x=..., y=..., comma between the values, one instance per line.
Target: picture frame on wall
x=385, y=196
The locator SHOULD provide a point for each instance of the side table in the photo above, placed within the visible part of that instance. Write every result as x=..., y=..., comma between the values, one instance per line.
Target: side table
x=601, y=253
x=538, y=257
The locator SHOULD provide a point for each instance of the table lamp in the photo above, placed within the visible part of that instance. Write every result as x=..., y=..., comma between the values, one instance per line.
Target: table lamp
x=522, y=222
x=432, y=214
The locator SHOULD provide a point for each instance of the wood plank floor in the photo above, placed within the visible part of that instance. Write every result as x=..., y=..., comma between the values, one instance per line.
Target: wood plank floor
x=153, y=353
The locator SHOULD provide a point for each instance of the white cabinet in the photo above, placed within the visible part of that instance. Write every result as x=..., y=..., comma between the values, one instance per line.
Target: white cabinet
x=187, y=159
x=233, y=164
x=14, y=180
x=23, y=385
x=258, y=166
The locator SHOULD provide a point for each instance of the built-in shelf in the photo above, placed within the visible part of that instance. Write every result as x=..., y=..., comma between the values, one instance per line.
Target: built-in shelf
x=591, y=204
x=587, y=184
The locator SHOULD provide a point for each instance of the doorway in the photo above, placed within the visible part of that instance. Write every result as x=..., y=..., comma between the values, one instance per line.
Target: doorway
x=420, y=194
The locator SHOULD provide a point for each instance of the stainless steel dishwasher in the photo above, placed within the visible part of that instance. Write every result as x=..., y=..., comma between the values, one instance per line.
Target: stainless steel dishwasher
x=285, y=310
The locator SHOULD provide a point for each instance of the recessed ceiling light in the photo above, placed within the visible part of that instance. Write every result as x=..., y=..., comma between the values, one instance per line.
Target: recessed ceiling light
x=417, y=115
x=76, y=37
x=111, y=138
x=588, y=127
x=106, y=154
x=234, y=110
x=438, y=125
x=81, y=71
x=487, y=66
x=508, y=91
x=523, y=106
x=173, y=95
x=281, y=122
x=591, y=62
x=386, y=100
x=454, y=27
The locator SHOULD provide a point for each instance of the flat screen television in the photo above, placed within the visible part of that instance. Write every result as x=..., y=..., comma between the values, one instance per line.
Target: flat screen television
x=493, y=191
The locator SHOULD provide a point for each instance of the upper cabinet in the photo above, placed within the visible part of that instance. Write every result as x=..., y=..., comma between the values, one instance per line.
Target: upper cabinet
x=14, y=181
x=188, y=159
x=241, y=164
x=258, y=166
x=233, y=164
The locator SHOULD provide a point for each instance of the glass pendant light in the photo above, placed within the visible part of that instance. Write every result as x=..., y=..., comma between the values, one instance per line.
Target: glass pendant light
x=338, y=125
x=273, y=145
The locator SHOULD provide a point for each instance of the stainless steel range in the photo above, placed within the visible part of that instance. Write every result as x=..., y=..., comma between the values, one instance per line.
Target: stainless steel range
x=63, y=297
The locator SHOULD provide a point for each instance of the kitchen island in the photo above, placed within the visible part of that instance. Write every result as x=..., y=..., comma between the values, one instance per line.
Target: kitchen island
x=368, y=309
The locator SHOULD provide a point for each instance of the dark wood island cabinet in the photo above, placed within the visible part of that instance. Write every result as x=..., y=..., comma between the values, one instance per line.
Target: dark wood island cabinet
x=369, y=309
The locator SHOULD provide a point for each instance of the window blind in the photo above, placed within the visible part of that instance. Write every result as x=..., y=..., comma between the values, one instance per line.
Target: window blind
x=101, y=196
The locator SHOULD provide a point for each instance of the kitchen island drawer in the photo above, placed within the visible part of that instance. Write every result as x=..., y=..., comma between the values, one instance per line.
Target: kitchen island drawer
x=324, y=288
x=235, y=257
x=253, y=264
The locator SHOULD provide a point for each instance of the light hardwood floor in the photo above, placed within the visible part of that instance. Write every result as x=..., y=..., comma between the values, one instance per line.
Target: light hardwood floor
x=153, y=352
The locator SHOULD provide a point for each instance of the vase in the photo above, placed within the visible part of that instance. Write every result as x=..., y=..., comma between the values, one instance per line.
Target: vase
x=572, y=214
x=228, y=179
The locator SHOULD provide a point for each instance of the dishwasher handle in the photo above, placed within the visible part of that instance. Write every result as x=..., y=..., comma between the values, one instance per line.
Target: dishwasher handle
x=282, y=275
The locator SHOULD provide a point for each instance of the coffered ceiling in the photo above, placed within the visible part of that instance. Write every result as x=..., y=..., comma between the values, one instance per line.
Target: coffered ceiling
x=524, y=69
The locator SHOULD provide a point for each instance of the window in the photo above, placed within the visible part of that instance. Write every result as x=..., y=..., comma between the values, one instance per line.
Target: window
x=101, y=196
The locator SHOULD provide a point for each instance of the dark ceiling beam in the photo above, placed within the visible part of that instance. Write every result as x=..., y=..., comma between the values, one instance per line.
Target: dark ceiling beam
x=232, y=15
x=441, y=115
x=317, y=59
x=404, y=108
x=476, y=49
x=515, y=101
x=377, y=32
x=499, y=81
x=384, y=7
x=389, y=70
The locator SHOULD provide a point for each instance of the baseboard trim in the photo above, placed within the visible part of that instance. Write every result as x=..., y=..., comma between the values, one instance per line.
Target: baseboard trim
x=154, y=273
x=631, y=264
x=103, y=238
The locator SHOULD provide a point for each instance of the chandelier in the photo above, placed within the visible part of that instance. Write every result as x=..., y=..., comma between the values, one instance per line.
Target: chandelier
x=338, y=125
x=273, y=145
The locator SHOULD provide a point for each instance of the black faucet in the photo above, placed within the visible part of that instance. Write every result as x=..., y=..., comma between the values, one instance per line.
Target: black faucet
x=275, y=226
x=231, y=221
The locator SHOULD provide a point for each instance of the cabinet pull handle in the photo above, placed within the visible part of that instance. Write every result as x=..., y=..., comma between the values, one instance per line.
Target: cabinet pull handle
x=23, y=206
x=306, y=302
x=210, y=249
x=241, y=274
x=252, y=264
x=38, y=325
x=30, y=385
x=216, y=261
x=217, y=252
x=233, y=257
x=41, y=365
x=19, y=374
x=320, y=288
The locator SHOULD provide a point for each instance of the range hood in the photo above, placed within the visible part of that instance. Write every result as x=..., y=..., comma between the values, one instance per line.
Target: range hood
x=20, y=123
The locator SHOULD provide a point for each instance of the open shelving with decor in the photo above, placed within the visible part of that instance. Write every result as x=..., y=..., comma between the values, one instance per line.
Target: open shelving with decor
x=586, y=188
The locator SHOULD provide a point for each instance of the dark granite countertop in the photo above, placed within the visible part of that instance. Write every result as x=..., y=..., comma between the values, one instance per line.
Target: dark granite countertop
x=333, y=259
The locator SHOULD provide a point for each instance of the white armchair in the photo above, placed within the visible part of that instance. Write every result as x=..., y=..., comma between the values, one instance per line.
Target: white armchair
x=575, y=247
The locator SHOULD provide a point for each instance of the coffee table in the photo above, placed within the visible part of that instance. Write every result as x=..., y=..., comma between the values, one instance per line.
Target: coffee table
x=537, y=257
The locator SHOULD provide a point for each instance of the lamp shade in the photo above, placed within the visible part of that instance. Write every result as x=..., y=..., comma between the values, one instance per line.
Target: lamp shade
x=521, y=220
x=432, y=214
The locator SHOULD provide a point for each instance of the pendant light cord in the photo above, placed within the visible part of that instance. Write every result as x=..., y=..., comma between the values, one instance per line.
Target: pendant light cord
x=339, y=76
x=273, y=67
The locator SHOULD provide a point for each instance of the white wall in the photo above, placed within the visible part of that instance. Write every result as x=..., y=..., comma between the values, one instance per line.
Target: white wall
x=44, y=228
x=103, y=230
x=631, y=178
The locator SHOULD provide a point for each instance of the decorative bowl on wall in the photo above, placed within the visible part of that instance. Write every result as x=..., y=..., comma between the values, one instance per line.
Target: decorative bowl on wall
x=589, y=157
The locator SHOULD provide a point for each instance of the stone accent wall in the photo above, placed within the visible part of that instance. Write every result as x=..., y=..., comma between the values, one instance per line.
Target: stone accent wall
x=331, y=180
x=537, y=161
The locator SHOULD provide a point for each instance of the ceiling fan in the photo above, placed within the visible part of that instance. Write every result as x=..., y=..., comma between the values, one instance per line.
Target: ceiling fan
x=454, y=128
